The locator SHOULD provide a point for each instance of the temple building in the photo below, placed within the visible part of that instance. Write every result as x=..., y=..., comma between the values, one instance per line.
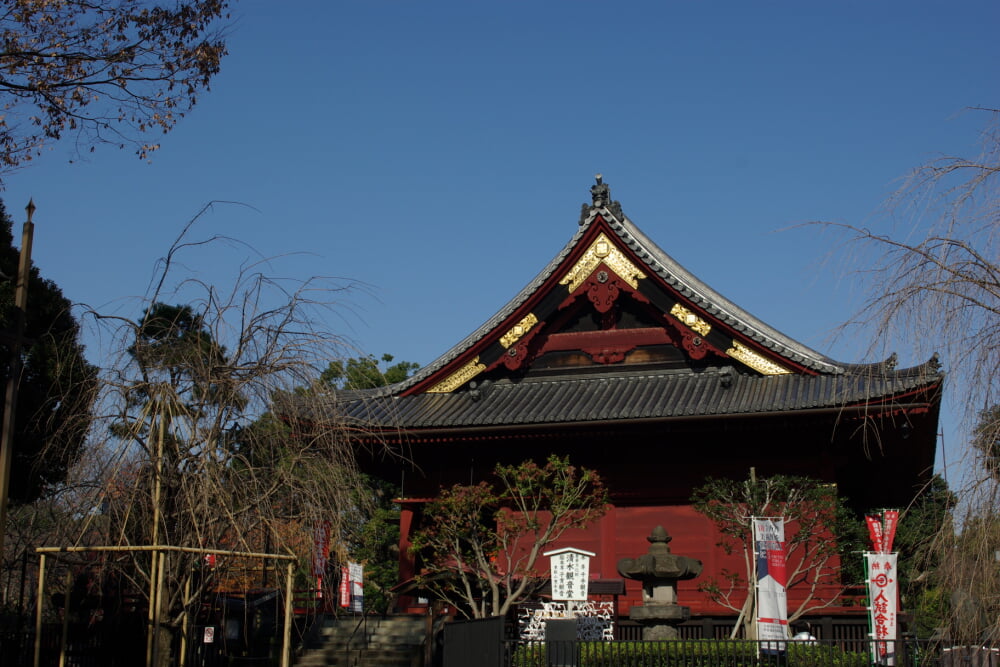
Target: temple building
x=616, y=355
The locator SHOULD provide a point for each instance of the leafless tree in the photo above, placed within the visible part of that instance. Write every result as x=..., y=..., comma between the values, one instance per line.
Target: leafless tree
x=808, y=510
x=101, y=71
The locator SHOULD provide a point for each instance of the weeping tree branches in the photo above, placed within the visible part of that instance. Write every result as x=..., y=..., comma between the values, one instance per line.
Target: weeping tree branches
x=194, y=454
x=934, y=277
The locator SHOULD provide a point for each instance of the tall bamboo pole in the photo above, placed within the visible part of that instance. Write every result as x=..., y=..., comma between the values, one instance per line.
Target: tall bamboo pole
x=152, y=615
x=184, y=621
x=162, y=557
x=14, y=379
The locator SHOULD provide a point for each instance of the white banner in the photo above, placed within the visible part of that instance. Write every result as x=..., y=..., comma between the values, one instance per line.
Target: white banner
x=357, y=587
x=772, y=601
x=883, y=603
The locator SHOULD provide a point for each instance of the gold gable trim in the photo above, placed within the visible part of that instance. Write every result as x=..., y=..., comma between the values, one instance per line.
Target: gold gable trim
x=690, y=320
x=602, y=250
x=458, y=378
x=743, y=354
x=518, y=330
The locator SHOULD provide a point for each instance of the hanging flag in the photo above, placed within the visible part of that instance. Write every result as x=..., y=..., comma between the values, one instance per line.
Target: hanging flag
x=883, y=596
x=890, y=519
x=772, y=601
x=345, y=587
x=321, y=548
x=875, y=532
x=356, y=575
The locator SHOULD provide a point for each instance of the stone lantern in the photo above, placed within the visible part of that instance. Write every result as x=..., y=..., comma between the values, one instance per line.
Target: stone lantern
x=659, y=571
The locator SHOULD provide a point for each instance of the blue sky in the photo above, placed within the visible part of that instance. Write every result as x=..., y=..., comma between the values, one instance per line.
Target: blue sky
x=439, y=151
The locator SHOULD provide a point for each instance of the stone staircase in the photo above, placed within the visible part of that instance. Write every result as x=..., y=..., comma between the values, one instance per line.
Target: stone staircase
x=391, y=641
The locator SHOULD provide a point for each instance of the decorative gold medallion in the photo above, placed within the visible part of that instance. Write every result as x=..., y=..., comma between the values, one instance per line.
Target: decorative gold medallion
x=518, y=330
x=458, y=378
x=743, y=354
x=690, y=320
x=602, y=250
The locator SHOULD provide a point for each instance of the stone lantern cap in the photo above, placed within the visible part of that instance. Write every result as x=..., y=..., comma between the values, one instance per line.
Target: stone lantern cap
x=658, y=563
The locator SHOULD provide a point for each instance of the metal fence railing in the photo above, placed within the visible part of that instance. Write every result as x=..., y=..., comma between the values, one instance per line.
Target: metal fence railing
x=743, y=653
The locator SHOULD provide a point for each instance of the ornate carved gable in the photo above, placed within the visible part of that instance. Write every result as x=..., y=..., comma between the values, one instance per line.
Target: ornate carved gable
x=613, y=299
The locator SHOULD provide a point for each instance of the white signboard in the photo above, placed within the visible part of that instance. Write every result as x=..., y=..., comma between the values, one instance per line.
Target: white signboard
x=570, y=572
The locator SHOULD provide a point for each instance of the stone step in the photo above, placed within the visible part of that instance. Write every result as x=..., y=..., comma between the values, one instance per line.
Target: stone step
x=394, y=641
x=366, y=658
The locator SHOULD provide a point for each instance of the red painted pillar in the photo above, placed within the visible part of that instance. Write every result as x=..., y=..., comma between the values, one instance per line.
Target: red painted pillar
x=407, y=566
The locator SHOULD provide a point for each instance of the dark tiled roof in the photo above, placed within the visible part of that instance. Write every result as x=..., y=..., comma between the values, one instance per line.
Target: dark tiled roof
x=610, y=397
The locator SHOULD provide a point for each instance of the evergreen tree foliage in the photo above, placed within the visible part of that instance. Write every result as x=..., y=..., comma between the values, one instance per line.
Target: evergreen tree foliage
x=986, y=440
x=364, y=372
x=57, y=384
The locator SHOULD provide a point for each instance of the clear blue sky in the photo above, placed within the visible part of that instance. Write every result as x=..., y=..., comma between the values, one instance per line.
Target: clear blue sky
x=440, y=151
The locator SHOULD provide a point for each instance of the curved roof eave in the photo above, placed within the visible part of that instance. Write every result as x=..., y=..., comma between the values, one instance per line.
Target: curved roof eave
x=714, y=303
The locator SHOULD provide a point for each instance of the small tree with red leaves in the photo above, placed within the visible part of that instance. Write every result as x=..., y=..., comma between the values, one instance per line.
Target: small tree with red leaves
x=480, y=542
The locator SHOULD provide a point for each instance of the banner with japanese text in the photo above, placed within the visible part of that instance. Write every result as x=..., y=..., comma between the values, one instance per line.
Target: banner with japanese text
x=890, y=519
x=345, y=588
x=883, y=596
x=356, y=575
x=321, y=548
x=772, y=600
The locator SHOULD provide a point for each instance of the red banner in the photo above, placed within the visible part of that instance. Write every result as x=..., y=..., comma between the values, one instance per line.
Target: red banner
x=890, y=519
x=875, y=530
x=345, y=587
x=321, y=548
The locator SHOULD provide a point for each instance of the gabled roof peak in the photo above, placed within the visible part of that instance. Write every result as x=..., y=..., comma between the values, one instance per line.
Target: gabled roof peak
x=609, y=263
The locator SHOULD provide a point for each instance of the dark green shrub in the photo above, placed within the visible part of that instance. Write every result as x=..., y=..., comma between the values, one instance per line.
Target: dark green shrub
x=694, y=653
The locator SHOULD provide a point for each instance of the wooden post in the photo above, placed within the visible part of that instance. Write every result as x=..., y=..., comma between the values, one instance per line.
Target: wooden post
x=157, y=616
x=65, y=619
x=150, y=613
x=185, y=624
x=286, y=640
x=38, y=609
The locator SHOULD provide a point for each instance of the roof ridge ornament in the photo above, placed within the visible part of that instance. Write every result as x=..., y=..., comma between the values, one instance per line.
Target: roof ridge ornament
x=600, y=195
